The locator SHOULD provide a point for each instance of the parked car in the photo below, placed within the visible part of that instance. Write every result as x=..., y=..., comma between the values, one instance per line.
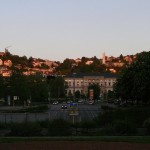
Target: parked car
x=91, y=102
x=55, y=102
x=64, y=107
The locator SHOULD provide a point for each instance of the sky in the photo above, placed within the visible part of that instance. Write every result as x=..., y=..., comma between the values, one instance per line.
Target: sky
x=60, y=29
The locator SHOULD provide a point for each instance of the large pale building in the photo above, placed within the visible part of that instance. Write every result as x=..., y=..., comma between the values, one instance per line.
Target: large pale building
x=80, y=82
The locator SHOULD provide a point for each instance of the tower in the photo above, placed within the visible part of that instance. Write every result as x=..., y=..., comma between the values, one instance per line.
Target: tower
x=103, y=58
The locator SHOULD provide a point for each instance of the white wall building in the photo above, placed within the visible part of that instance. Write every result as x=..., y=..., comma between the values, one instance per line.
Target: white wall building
x=81, y=82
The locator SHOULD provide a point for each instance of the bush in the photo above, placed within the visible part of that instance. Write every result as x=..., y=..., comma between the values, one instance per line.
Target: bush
x=44, y=124
x=40, y=108
x=87, y=124
x=136, y=115
x=107, y=108
x=146, y=124
x=3, y=126
x=107, y=130
x=59, y=127
x=25, y=129
x=104, y=119
x=31, y=109
x=123, y=127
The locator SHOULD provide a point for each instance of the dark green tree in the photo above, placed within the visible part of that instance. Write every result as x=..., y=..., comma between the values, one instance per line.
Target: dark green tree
x=38, y=88
x=56, y=87
x=77, y=94
x=96, y=90
x=19, y=87
x=133, y=82
x=2, y=87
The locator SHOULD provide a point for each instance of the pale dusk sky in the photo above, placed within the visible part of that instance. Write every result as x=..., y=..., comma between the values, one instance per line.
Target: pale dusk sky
x=60, y=29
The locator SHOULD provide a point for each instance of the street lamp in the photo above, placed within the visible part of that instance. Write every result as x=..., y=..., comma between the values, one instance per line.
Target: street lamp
x=74, y=74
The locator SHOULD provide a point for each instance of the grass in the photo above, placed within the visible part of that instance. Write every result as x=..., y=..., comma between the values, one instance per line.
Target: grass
x=130, y=139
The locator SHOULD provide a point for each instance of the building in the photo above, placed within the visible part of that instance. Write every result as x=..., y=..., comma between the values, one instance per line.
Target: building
x=89, y=62
x=103, y=58
x=1, y=62
x=8, y=63
x=80, y=82
x=2, y=54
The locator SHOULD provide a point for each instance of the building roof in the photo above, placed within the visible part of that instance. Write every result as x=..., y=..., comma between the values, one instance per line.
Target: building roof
x=81, y=75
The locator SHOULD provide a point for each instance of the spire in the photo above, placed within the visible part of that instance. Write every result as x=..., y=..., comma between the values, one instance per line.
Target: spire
x=103, y=58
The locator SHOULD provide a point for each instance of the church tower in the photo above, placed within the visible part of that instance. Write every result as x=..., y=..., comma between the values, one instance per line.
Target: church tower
x=103, y=58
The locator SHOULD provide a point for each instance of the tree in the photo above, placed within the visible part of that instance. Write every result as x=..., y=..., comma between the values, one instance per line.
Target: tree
x=121, y=57
x=133, y=82
x=56, y=87
x=66, y=66
x=2, y=87
x=38, y=88
x=77, y=94
x=96, y=90
x=110, y=95
x=19, y=87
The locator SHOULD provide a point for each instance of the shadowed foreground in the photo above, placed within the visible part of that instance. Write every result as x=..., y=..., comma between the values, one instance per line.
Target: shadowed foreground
x=73, y=145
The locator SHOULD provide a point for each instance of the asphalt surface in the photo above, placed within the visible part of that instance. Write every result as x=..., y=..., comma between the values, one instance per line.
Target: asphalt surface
x=82, y=112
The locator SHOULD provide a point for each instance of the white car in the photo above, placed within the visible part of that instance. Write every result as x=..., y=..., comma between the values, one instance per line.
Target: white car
x=55, y=103
x=91, y=102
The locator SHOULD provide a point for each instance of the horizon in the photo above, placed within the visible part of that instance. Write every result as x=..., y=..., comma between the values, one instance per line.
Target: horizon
x=70, y=58
x=56, y=30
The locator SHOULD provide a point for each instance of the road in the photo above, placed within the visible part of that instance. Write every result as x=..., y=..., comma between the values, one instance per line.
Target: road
x=86, y=112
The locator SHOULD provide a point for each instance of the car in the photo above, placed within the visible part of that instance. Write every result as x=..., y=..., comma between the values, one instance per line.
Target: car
x=55, y=102
x=81, y=101
x=64, y=107
x=91, y=102
x=68, y=102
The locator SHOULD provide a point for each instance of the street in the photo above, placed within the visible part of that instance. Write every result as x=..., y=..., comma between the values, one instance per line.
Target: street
x=86, y=112
x=83, y=112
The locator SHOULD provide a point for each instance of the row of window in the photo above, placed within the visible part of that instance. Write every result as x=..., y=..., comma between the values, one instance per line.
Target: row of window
x=82, y=92
x=101, y=84
x=91, y=80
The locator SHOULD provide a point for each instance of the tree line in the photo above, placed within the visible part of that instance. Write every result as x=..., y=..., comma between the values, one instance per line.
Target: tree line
x=22, y=89
x=133, y=83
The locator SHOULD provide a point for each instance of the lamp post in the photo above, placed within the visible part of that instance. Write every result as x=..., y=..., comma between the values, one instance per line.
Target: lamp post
x=74, y=85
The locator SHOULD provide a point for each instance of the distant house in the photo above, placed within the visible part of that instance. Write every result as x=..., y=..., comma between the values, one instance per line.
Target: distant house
x=8, y=63
x=111, y=58
x=128, y=58
x=36, y=63
x=78, y=60
x=48, y=63
x=112, y=70
x=2, y=54
x=29, y=73
x=6, y=73
x=118, y=64
x=1, y=62
x=89, y=62
x=18, y=66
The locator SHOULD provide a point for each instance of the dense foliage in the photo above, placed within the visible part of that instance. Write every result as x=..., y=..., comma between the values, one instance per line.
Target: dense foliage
x=133, y=82
x=96, y=91
x=20, y=89
x=70, y=66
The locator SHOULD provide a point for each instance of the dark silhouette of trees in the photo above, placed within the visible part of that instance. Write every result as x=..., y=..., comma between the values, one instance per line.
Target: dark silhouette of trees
x=133, y=82
x=96, y=90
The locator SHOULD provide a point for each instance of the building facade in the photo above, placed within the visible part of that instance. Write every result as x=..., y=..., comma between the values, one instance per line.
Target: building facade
x=80, y=82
